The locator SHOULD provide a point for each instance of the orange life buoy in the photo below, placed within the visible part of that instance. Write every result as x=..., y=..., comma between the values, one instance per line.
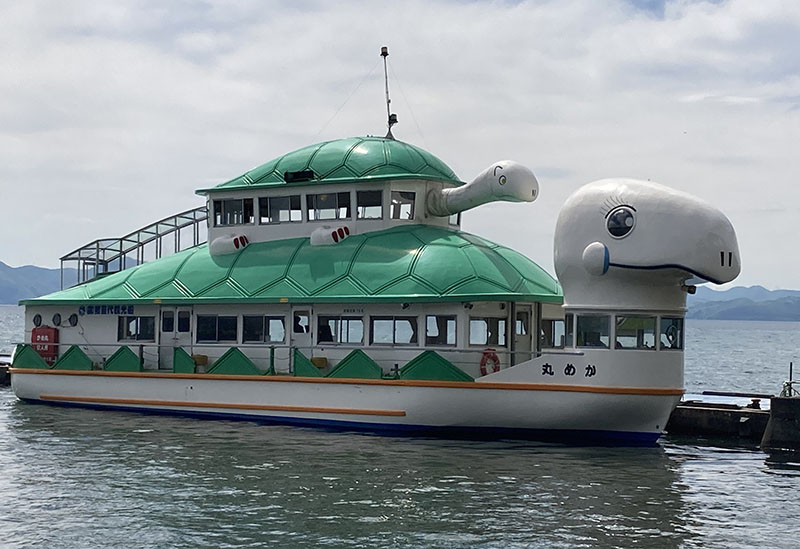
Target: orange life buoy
x=489, y=356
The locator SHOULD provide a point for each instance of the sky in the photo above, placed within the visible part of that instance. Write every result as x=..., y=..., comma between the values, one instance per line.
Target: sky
x=113, y=113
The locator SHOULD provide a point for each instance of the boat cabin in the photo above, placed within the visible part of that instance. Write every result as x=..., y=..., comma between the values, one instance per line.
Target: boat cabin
x=328, y=254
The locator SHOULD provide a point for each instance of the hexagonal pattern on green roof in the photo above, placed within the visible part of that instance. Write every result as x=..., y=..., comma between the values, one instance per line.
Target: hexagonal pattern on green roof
x=393, y=265
x=346, y=161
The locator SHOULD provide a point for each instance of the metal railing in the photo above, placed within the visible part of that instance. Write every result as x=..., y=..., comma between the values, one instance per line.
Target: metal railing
x=110, y=255
x=279, y=358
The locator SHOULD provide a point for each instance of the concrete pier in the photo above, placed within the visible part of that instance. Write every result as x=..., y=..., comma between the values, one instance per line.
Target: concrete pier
x=5, y=364
x=699, y=418
x=783, y=430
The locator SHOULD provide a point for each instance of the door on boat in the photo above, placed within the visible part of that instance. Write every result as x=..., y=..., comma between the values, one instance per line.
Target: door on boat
x=176, y=331
x=301, y=333
x=522, y=334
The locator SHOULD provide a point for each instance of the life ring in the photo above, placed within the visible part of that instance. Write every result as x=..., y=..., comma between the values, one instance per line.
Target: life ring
x=489, y=356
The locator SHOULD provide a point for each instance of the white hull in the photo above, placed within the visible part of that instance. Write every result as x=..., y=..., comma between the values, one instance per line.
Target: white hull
x=527, y=410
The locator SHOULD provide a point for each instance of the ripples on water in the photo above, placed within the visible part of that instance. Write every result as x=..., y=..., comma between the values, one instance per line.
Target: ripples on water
x=80, y=478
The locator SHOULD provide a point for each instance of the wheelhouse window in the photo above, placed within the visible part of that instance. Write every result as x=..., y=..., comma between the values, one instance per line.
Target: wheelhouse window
x=136, y=328
x=553, y=333
x=671, y=333
x=213, y=328
x=328, y=206
x=279, y=209
x=263, y=329
x=440, y=330
x=403, y=204
x=233, y=211
x=369, y=204
x=340, y=329
x=593, y=331
x=635, y=332
x=393, y=330
x=487, y=331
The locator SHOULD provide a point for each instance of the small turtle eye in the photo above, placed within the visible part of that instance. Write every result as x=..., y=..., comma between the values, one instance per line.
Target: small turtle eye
x=502, y=180
x=620, y=221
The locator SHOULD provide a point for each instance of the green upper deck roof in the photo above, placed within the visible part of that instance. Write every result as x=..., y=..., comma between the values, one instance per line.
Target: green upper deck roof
x=412, y=263
x=349, y=160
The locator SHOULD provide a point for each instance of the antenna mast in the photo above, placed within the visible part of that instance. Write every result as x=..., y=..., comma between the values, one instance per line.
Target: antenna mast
x=392, y=118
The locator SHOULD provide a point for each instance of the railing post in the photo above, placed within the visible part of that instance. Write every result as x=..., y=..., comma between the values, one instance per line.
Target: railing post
x=271, y=370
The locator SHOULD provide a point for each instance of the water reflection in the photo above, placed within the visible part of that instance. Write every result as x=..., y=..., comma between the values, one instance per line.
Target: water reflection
x=97, y=478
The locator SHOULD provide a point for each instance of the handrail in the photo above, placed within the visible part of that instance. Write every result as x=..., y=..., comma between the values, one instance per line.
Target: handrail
x=98, y=257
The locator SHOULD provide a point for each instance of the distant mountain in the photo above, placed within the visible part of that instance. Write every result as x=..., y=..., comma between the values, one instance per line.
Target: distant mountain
x=753, y=293
x=18, y=283
x=740, y=303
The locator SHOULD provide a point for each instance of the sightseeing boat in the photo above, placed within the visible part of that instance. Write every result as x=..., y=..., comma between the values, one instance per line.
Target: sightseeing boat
x=336, y=288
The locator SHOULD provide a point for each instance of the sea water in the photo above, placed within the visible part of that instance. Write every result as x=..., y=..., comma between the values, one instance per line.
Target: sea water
x=83, y=478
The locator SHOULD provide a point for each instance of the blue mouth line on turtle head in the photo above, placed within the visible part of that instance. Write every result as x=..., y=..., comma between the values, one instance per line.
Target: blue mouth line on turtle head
x=667, y=266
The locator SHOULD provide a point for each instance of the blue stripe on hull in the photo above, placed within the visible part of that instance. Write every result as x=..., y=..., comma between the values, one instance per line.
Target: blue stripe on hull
x=576, y=437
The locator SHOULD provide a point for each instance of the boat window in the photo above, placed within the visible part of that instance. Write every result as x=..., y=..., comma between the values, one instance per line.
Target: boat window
x=403, y=204
x=440, y=330
x=328, y=206
x=671, y=333
x=211, y=328
x=523, y=322
x=635, y=332
x=487, y=331
x=393, y=330
x=136, y=328
x=263, y=329
x=340, y=329
x=279, y=209
x=593, y=331
x=167, y=321
x=553, y=333
x=369, y=204
x=233, y=211
x=184, y=321
x=301, y=323
x=455, y=219
x=569, y=330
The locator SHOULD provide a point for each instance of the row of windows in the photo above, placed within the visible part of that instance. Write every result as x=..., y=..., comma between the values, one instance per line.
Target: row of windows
x=325, y=206
x=384, y=330
x=630, y=332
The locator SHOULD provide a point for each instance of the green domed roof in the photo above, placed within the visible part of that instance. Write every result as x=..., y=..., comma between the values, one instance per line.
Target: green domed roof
x=412, y=263
x=344, y=161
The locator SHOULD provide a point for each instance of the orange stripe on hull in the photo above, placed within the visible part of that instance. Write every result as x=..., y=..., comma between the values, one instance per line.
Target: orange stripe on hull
x=649, y=391
x=185, y=404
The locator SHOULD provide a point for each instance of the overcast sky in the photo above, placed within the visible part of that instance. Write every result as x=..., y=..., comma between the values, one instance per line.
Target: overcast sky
x=113, y=113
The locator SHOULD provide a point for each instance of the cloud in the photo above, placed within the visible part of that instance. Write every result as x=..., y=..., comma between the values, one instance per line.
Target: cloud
x=116, y=112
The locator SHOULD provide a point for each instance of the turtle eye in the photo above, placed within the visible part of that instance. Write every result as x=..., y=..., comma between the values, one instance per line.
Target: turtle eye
x=620, y=221
x=502, y=179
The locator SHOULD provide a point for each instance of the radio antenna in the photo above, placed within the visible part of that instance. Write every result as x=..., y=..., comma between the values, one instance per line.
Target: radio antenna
x=391, y=117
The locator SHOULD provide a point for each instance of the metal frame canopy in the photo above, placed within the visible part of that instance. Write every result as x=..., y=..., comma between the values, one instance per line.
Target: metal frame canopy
x=108, y=255
x=406, y=264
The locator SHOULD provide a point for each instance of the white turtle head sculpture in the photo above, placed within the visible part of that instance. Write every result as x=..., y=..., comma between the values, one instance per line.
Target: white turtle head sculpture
x=505, y=180
x=624, y=243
